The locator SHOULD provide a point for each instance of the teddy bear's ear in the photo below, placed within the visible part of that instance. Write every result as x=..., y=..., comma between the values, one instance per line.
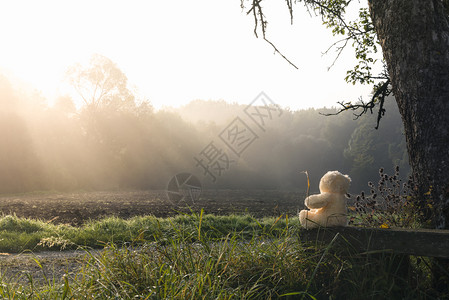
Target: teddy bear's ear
x=329, y=177
x=347, y=177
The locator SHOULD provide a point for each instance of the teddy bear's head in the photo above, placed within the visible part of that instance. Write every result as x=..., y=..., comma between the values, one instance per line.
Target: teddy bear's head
x=334, y=182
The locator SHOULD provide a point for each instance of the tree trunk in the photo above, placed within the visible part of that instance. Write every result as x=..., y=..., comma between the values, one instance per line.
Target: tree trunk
x=414, y=36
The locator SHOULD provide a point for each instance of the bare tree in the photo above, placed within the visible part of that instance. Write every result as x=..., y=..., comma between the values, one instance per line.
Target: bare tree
x=100, y=84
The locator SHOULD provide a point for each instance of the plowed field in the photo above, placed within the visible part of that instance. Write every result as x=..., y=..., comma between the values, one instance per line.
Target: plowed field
x=76, y=208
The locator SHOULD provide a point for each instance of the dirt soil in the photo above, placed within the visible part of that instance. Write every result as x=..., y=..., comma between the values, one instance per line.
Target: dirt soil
x=76, y=208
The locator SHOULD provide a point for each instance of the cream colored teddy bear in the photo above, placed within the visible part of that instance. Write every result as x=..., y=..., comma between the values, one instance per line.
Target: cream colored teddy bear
x=328, y=208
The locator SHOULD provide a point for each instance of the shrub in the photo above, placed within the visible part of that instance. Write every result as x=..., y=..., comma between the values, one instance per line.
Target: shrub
x=390, y=203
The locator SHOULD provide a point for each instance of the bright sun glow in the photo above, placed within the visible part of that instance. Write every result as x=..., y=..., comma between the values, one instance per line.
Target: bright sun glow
x=175, y=51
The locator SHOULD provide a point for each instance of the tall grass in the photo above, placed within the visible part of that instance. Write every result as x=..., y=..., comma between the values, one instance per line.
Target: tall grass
x=208, y=257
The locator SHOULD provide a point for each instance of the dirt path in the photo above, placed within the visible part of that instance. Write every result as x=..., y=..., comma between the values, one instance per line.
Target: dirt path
x=50, y=265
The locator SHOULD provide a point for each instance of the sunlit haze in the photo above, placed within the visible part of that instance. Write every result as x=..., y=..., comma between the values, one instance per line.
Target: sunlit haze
x=175, y=51
x=172, y=96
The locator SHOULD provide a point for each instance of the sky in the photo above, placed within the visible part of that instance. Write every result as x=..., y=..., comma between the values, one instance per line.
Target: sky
x=176, y=51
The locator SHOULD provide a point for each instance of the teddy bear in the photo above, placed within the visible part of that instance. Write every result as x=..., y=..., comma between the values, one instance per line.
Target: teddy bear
x=329, y=207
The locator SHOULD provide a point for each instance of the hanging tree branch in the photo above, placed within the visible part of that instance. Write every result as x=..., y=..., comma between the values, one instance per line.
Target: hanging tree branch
x=283, y=56
x=364, y=42
x=290, y=10
x=256, y=10
x=382, y=91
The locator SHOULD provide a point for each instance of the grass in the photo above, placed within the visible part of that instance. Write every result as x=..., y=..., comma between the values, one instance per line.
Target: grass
x=207, y=257
x=20, y=234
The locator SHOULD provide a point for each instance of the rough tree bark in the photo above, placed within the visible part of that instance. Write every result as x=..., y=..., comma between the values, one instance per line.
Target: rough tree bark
x=414, y=35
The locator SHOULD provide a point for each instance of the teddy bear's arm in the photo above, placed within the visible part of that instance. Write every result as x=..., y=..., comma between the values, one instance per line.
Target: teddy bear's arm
x=316, y=201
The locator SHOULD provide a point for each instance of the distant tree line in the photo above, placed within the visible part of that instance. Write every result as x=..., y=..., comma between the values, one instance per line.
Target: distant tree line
x=129, y=145
x=306, y=140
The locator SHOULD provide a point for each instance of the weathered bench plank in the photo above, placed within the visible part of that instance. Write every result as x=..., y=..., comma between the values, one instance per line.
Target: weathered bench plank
x=420, y=242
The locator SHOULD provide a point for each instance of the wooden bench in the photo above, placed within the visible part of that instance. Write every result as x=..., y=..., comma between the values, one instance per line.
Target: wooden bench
x=419, y=242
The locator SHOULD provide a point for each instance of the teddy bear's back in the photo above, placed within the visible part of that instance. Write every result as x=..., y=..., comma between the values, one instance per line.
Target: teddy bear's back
x=335, y=211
